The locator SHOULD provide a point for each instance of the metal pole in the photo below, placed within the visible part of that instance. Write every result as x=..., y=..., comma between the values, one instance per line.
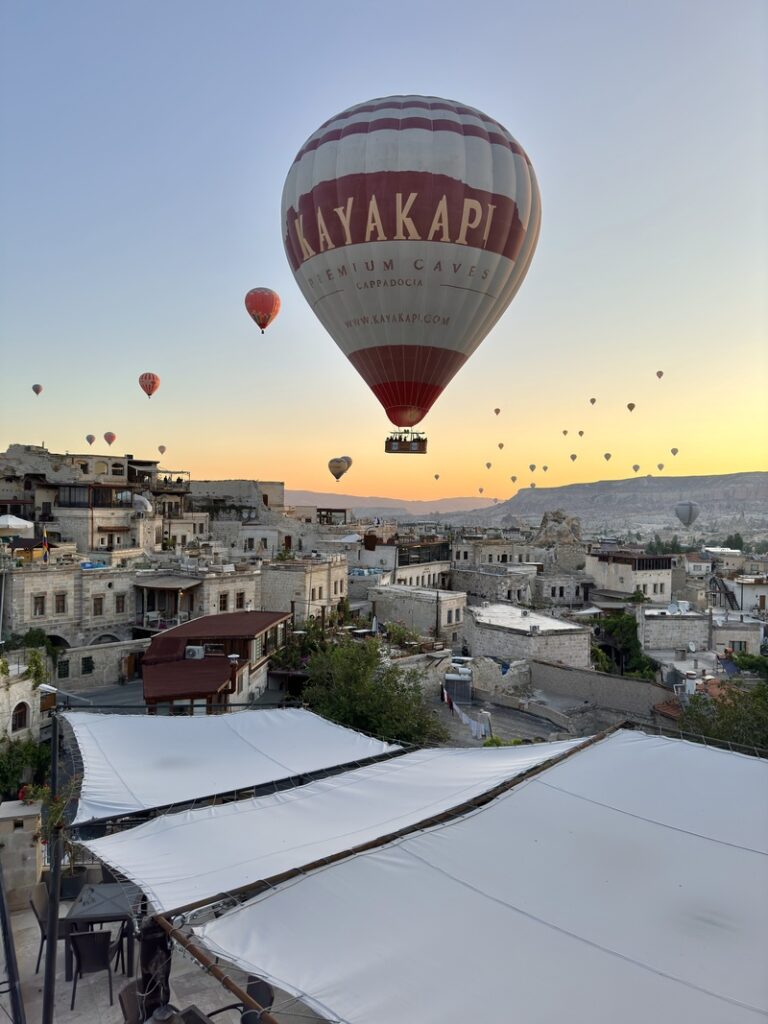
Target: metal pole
x=11, y=967
x=54, y=882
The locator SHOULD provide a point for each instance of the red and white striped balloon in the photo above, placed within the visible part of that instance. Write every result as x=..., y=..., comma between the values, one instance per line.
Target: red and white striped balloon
x=410, y=223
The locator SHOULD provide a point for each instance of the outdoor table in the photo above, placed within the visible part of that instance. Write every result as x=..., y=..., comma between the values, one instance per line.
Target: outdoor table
x=101, y=904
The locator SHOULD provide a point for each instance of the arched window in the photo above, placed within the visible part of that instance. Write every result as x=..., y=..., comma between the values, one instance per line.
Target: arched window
x=20, y=717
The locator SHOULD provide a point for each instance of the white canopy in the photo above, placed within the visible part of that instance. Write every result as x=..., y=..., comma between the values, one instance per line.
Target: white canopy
x=136, y=762
x=628, y=882
x=180, y=858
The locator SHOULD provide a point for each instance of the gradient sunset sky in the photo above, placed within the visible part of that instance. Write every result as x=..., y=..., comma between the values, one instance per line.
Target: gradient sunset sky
x=145, y=146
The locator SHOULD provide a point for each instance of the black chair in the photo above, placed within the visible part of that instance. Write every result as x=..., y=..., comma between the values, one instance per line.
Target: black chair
x=94, y=952
x=259, y=990
x=39, y=903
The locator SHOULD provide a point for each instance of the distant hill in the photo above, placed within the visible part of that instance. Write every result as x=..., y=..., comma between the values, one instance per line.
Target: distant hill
x=391, y=507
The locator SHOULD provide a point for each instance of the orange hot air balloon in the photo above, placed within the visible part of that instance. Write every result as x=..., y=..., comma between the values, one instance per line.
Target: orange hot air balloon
x=110, y=438
x=497, y=411
x=90, y=438
x=149, y=383
x=501, y=445
x=37, y=388
x=263, y=305
x=592, y=401
x=635, y=467
x=513, y=479
x=380, y=181
x=161, y=448
x=674, y=451
x=630, y=406
x=659, y=374
x=607, y=456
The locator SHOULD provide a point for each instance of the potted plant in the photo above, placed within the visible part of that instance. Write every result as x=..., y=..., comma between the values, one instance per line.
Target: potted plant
x=53, y=818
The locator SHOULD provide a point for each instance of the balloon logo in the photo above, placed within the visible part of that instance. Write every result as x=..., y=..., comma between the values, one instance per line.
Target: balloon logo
x=573, y=458
x=630, y=406
x=110, y=438
x=659, y=374
x=262, y=305
x=592, y=401
x=149, y=383
x=90, y=438
x=635, y=467
x=607, y=456
x=162, y=449
x=532, y=467
x=513, y=479
x=501, y=445
x=674, y=451
x=37, y=388
x=368, y=193
x=497, y=411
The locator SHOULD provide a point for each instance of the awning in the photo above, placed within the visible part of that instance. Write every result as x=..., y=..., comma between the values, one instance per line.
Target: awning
x=166, y=582
x=181, y=858
x=627, y=882
x=136, y=762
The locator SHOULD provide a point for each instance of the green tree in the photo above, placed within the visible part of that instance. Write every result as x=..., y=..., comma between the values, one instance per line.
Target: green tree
x=734, y=540
x=737, y=716
x=349, y=685
x=37, y=669
x=622, y=629
x=18, y=760
x=756, y=663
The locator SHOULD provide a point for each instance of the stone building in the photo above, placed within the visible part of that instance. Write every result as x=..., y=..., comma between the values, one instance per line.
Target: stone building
x=496, y=582
x=560, y=589
x=19, y=701
x=428, y=612
x=626, y=572
x=511, y=633
x=469, y=551
x=305, y=587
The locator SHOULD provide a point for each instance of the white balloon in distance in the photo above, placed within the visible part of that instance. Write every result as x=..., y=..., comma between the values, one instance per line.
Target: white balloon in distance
x=386, y=205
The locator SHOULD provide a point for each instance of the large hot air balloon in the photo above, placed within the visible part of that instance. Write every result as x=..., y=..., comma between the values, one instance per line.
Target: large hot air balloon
x=410, y=223
x=674, y=451
x=607, y=456
x=162, y=449
x=110, y=438
x=630, y=406
x=90, y=438
x=37, y=388
x=347, y=459
x=687, y=512
x=659, y=374
x=263, y=305
x=338, y=468
x=149, y=383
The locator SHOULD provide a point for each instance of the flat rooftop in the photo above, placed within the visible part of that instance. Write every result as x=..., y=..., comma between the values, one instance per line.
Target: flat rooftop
x=511, y=616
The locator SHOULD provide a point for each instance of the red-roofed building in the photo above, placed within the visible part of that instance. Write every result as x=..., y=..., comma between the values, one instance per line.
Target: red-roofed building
x=212, y=661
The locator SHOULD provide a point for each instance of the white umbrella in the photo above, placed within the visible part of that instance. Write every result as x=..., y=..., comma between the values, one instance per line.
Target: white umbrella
x=12, y=524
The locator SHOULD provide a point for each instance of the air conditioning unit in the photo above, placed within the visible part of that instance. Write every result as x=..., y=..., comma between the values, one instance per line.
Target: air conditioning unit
x=535, y=629
x=194, y=653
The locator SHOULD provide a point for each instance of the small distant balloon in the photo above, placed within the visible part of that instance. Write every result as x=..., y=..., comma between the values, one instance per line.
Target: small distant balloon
x=262, y=305
x=659, y=374
x=532, y=467
x=687, y=512
x=480, y=489
x=533, y=485
x=592, y=401
x=149, y=383
x=565, y=433
x=513, y=479
x=635, y=467
x=497, y=411
x=495, y=501
x=545, y=468
x=607, y=456
x=660, y=466
x=162, y=449
x=573, y=458
x=501, y=445
x=437, y=476
x=110, y=438
x=581, y=433
x=488, y=465
x=37, y=388
x=90, y=438
x=674, y=450
x=630, y=406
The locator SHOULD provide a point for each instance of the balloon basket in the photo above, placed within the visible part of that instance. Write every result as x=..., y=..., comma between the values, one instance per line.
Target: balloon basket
x=406, y=442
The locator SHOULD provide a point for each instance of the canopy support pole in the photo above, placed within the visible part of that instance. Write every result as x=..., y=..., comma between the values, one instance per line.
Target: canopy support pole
x=211, y=967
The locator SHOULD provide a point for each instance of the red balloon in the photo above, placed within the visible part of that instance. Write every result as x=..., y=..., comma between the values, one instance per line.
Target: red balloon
x=263, y=305
x=109, y=437
x=149, y=383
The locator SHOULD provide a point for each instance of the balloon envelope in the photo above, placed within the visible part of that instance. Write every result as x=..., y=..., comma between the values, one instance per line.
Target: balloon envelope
x=149, y=383
x=607, y=456
x=37, y=388
x=687, y=512
x=481, y=489
x=635, y=467
x=109, y=437
x=513, y=479
x=497, y=411
x=630, y=406
x=338, y=468
x=162, y=449
x=263, y=305
x=501, y=445
x=545, y=468
x=674, y=451
x=659, y=374
x=437, y=476
x=90, y=438
x=532, y=467
x=573, y=458
x=347, y=459
x=660, y=466
x=488, y=465
x=387, y=204
x=581, y=433
x=592, y=401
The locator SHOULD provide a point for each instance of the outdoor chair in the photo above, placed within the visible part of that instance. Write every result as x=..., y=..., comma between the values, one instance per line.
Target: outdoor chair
x=94, y=952
x=39, y=903
x=257, y=989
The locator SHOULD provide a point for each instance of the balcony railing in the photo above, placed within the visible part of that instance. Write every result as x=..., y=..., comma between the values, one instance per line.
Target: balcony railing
x=159, y=620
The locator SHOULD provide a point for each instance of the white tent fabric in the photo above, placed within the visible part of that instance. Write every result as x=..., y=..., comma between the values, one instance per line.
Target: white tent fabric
x=180, y=858
x=136, y=762
x=628, y=882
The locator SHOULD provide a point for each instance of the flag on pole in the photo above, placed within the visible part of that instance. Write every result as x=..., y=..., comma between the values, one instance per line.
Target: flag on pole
x=46, y=549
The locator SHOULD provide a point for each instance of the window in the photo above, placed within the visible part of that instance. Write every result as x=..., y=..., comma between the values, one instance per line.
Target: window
x=117, y=469
x=86, y=665
x=341, y=586
x=119, y=604
x=661, y=588
x=561, y=592
x=738, y=646
x=240, y=599
x=519, y=558
x=458, y=615
x=458, y=555
x=449, y=618
x=655, y=588
x=83, y=467
x=98, y=606
x=466, y=555
x=60, y=603
x=335, y=588
x=578, y=590
x=645, y=588
x=490, y=558
x=552, y=591
x=223, y=602
x=320, y=593
x=20, y=717
x=38, y=605
x=314, y=594
x=62, y=668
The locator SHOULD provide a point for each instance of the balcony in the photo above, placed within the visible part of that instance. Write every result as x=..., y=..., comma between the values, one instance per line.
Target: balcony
x=159, y=620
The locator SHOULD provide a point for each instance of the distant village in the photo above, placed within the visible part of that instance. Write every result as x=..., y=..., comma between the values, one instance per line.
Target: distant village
x=130, y=571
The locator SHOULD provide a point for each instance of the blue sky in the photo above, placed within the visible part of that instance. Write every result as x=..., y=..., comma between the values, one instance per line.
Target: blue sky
x=145, y=148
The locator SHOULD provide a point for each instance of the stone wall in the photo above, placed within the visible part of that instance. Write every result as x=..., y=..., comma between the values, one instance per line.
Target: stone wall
x=80, y=669
x=418, y=609
x=20, y=852
x=667, y=632
x=572, y=646
x=494, y=582
x=634, y=698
